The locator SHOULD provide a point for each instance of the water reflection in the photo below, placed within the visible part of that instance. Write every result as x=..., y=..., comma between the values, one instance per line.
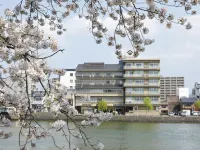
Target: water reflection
x=126, y=136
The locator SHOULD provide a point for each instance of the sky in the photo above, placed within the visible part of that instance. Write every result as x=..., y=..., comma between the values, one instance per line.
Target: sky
x=177, y=48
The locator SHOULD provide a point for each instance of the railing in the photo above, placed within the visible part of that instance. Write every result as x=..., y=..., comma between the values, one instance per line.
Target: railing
x=112, y=84
x=153, y=75
x=133, y=92
x=101, y=75
x=140, y=102
x=98, y=92
x=132, y=84
x=133, y=75
x=143, y=93
x=133, y=67
x=153, y=92
x=139, y=84
x=96, y=101
x=142, y=67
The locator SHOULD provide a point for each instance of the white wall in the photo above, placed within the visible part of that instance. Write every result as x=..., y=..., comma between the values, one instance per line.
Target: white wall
x=183, y=92
x=65, y=79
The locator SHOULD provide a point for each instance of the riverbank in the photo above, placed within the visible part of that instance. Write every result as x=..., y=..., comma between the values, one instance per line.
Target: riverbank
x=44, y=116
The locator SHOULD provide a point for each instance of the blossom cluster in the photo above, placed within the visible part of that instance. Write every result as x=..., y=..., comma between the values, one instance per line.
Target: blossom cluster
x=97, y=119
x=128, y=15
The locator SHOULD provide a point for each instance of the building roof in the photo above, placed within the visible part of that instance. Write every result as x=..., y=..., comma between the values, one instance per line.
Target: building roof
x=188, y=100
x=172, y=77
x=99, y=67
x=130, y=58
x=70, y=69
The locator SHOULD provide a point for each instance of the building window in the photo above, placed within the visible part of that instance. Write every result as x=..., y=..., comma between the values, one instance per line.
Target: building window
x=71, y=81
x=128, y=65
x=71, y=74
x=152, y=72
x=71, y=87
x=139, y=81
x=138, y=90
x=153, y=90
x=154, y=99
x=153, y=65
x=139, y=72
x=139, y=98
x=108, y=73
x=153, y=81
x=107, y=82
x=139, y=65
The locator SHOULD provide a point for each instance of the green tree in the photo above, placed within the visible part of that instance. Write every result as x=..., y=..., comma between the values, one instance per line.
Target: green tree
x=102, y=105
x=148, y=104
x=48, y=105
x=197, y=104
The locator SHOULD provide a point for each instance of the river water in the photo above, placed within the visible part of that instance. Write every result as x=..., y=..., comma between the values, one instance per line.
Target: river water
x=125, y=136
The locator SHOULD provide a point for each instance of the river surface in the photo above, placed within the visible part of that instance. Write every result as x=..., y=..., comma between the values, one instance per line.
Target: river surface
x=124, y=136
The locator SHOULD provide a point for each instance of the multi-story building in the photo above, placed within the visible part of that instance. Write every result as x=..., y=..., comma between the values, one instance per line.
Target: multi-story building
x=173, y=103
x=37, y=98
x=69, y=78
x=55, y=80
x=196, y=90
x=169, y=86
x=99, y=81
x=141, y=79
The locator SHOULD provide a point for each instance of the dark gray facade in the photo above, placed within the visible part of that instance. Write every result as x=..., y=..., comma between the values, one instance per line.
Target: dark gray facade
x=99, y=81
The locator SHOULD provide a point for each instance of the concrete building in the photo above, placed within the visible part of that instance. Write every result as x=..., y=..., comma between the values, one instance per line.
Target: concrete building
x=188, y=104
x=55, y=80
x=69, y=79
x=37, y=99
x=141, y=79
x=99, y=81
x=169, y=86
x=173, y=103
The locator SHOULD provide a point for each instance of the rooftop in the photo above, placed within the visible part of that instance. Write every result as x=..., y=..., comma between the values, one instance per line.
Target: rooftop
x=188, y=100
x=70, y=69
x=126, y=58
x=99, y=67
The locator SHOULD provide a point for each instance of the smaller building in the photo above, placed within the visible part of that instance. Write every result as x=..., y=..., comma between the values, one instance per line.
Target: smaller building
x=188, y=103
x=69, y=79
x=37, y=100
x=173, y=104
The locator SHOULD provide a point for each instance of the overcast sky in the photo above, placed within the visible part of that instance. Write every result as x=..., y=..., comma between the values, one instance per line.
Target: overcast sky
x=177, y=48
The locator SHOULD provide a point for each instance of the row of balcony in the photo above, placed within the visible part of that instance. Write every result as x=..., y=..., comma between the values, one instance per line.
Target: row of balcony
x=134, y=93
x=142, y=67
x=98, y=83
x=139, y=102
x=132, y=84
x=120, y=76
x=142, y=75
x=99, y=76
